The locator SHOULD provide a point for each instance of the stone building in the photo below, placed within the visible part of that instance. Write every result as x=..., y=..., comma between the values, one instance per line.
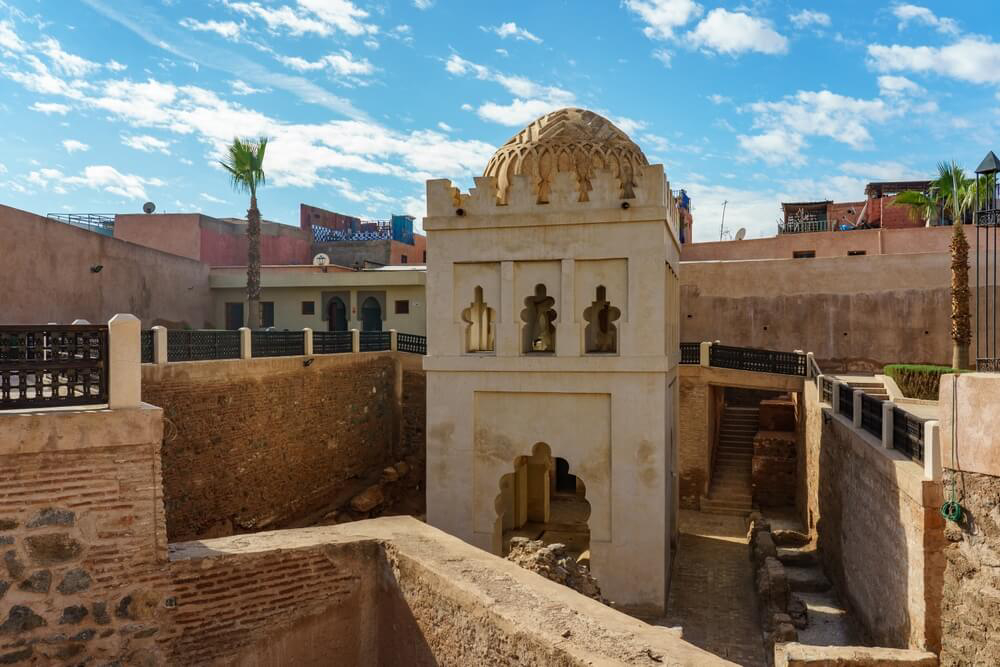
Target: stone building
x=553, y=352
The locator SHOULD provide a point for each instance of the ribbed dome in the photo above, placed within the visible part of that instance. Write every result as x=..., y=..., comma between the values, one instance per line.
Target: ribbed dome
x=572, y=140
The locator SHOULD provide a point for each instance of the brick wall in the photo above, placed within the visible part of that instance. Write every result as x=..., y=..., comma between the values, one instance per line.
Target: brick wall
x=878, y=529
x=694, y=456
x=264, y=443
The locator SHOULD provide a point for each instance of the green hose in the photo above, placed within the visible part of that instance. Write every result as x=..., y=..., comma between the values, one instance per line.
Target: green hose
x=952, y=509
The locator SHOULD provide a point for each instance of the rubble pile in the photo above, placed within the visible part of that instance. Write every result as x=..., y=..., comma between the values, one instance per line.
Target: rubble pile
x=552, y=561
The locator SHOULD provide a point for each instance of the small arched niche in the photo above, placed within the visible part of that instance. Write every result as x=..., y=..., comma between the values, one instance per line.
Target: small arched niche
x=601, y=333
x=539, y=331
x=478, y=318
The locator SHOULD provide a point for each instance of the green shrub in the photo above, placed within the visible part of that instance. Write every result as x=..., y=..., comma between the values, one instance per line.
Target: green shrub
x=917, y=380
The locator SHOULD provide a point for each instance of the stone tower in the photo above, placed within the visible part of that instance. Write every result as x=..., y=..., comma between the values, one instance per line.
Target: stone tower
x=552, y=306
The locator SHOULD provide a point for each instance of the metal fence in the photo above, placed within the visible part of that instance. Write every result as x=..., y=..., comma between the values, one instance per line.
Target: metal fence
x=871, y=415
x=375, y=341
x=411, y=343
x=202, y=344
x=332, y=342
x=846, y=403
x=51, y=366
x=761, y=361
x=908, y=434
x=690, y=353
x=146, y=346
x=277, y=343
x=826, y=390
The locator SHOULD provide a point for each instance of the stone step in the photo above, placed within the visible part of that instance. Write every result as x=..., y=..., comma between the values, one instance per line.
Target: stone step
x=729, y=497
x=806, y=579
x=713, y=507
x=784, y=537
x=828, y=621
x=799, y=557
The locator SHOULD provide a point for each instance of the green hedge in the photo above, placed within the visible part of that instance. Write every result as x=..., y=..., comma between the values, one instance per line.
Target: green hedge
x=917, y=380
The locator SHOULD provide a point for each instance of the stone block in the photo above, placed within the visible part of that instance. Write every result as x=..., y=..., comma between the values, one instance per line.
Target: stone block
x=74, y=581
x=20, y=619
x=38, y=582
x=763, y=547
x=777, y=415
x=15, y=568
x=52, y=517
x=8, y=524
x=73, y=615
x=368, y=499
x=52, y=548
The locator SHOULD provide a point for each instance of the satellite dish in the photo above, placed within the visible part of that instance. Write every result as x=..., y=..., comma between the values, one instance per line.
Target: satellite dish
x=741, y=233
x=322, y=259
x=148, y=207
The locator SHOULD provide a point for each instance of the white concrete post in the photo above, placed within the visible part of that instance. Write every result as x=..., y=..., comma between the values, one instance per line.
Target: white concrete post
x=857, y=407
x=81, y=322
x=392, y=340
x=932, y=450
x=307, y=335
x=887, y=407
x=246, y=352
x=706, y=352
x=124, y=359
x=355, y=341
x=810, y=364
x=835, y=397
x=819, y=387
x=159, y=345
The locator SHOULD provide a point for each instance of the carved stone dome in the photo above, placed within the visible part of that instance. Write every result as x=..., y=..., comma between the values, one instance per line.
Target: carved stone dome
x=567, y=140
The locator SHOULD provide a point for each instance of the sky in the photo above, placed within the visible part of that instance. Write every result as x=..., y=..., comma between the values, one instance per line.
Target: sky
x=107, y=104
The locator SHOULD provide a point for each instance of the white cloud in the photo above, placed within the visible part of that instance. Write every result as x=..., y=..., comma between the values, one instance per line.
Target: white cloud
x=74, y=146
x=808, y=17
x=9, y=39
x=662, y=17
x=629, y=126
x=894, y=86
x=342, y=64
x=663, y=56
x=467, y=107
x=320, y=17
x=50, y=107
x=97, y=177
x=880, y=171
x=918, y=14
x=974, y=59
x=230, y=30
x=503, y=52
x=517, y=113
x=446, y=127
x=244, y=88
x=147, y=144
x=115, y=66
x=775, y=146
x=733, y=33
x=716, y=98
x=214, y=200
x=423, y=4
x=66, y=63
x=511, y=29
x=3, y=169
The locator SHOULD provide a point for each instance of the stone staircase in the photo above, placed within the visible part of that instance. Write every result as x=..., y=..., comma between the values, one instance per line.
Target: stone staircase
x=730, y=491
x=870, y=386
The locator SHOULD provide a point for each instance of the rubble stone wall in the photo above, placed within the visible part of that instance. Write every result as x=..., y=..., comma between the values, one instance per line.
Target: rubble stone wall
x=263, y=443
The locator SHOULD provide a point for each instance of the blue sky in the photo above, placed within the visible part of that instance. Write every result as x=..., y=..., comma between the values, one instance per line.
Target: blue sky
x=105, y=104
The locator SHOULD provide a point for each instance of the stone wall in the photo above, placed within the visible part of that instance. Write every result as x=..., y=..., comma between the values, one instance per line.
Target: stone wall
x=774, y=468
x=878, y=529
x=268, y=443
x=694, y=453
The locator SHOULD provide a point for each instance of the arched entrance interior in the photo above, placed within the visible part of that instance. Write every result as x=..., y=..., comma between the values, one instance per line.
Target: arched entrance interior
x=542, y=500
x=371, y=315
x=336, y=314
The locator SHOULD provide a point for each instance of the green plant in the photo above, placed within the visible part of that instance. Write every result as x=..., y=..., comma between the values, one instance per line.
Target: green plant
x=918, y=380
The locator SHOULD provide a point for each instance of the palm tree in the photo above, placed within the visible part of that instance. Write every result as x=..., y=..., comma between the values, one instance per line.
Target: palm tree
x=245, y=163
x=954, y=192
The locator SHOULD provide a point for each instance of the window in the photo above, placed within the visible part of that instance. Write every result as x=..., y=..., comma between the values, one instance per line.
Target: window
x=478, y=318
x=234, y=314
x=403, y=307
x=856, y=253
x=425, y=256
x=539, y=332
x=803, y=254
x=308, y=307
x=403, y=259
x=267, y=313
x=600, y=333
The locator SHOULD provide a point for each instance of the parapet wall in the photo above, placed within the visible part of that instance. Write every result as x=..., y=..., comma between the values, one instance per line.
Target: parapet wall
x=266, y=443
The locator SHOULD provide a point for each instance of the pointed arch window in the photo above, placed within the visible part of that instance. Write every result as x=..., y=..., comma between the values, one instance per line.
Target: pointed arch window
x=539, y=331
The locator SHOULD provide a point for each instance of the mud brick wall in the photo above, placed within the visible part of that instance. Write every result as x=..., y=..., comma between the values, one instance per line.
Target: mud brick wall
x=694, y=453
x=774, y=468
x=970, y=608
x=263, y=443
x=878, y=530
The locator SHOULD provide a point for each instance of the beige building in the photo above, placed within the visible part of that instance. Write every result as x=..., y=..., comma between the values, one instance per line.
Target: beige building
x=553, y=346
x=325, y=298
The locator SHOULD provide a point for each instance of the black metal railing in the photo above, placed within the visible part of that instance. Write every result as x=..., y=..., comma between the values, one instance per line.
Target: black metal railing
x=826, y=390
x=50, y=366
x=332, y=342
x=202, y=344
x=374, y=341
x=871, y=415
x=846, y=403
x=277, y=343
x=908, y=434
x=761, y=361
x=146, y=346
x=690, y=353
x=411, y=343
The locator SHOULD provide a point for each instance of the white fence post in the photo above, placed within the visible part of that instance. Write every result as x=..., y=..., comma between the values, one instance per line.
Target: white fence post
x=810, y=365
x=932, y=450
x=355, y=341
x=857, y=407
x=706, y=354
x=307, y=335
x=159, y=344
x=246, y=352
x=124, y=359
x=835, y=397
x=392, y=340
x=887, y=420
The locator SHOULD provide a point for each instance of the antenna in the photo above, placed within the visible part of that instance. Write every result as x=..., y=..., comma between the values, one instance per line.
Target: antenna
x=148, y=207
x=722, y=227
x=741, y=233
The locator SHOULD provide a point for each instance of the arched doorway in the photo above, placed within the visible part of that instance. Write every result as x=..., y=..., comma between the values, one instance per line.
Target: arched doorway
x=336, y=314
x=371, y=315
x=541, y=500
